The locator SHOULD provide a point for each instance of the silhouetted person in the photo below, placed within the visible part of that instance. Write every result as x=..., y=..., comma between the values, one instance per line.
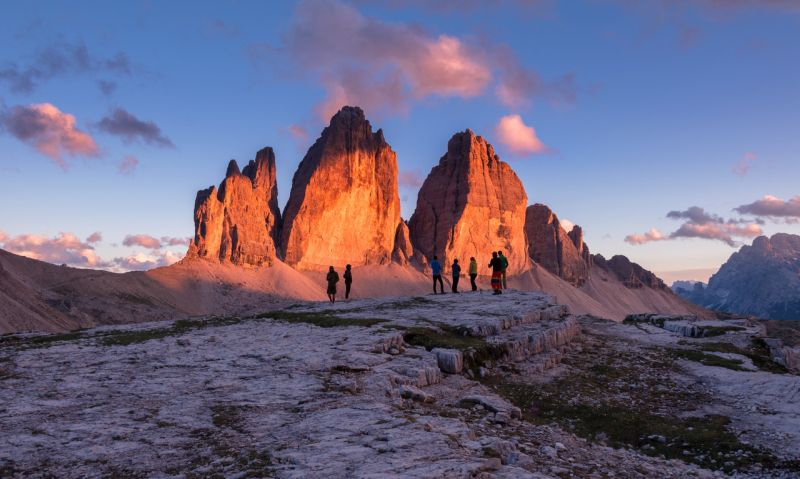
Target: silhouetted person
x=333, y=278
x=436, y=270
x=497, y=272
x=473, y=273
x=456, y=268
x=505, y=267
x=348, y=281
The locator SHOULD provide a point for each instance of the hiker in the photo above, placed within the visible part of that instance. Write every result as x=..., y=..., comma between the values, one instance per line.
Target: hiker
x=436, y=270
x=348, y=281
x=333, y=278
x=456, y=274
x=497, y=272
x=505, y=266
x=473, y=273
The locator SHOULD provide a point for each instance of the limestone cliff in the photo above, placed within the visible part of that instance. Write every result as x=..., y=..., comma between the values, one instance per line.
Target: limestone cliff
x=471, y=204
x=344, y=206
x=549, y=245
x=239, y=221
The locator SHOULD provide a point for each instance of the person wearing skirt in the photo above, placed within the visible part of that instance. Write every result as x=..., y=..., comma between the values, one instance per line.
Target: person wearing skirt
x=497, y=273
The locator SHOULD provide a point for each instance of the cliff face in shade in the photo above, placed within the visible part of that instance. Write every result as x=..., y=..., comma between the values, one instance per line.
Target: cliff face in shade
x=762, y=280
x=629, y=273
x=344, y=206
x=563, y=254
x=471, y=204
x=403, y=251
x=239, y=221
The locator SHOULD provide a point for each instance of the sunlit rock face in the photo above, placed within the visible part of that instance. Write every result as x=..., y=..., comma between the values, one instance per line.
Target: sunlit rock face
x=563, y=254
x=344, y=206
x=631, y=274
x=239, y=221
x=471, y=204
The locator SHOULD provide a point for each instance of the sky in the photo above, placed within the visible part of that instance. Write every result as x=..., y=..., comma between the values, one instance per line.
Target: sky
x=668, y=129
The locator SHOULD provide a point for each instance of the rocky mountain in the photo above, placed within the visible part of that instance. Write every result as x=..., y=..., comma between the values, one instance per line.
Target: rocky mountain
x=629, y=273
x=471, y=204
x=344, y=205
x=762, y=279
x=563, y=254
x=239, y=221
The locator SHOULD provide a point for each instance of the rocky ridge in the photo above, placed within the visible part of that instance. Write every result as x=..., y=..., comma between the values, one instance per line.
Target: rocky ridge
x=549, y=245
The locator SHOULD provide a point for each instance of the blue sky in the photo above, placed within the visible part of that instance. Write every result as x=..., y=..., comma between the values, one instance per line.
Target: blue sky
x=644, y=107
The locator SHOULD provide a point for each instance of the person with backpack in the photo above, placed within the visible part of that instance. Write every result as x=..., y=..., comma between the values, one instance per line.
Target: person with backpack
x=456, y=269
x=332, y=278
x=473, y=273
x=504, y=260
x=497, y=271
x=436, y=271
x=348, y=281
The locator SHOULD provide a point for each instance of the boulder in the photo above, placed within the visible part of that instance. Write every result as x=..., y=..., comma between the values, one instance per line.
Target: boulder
x=238, y=222
x=471, y=204
x=344, y=206
x=549, y=245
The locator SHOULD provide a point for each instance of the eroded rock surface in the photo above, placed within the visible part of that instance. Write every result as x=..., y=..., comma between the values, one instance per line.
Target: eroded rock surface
x=344, y=205
x=631, y=274
x=471, y=204
x=563, y=254
x=239, y=221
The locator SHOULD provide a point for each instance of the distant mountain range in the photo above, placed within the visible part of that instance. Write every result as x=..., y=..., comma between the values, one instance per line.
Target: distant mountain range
x=759, y=280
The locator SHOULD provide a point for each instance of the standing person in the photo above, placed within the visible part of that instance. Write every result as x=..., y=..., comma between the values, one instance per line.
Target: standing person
x=497, y=273
x=436, y=270
x=505, y=267
x=456, y=274
x=348, y=281
x=333, y=278
x=473, y=273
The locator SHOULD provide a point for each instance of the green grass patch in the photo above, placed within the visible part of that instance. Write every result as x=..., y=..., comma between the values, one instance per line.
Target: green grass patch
x=179, y=327
x=711, y=331
x=135, y=298
x=708, y=359
x=758, y=352
x=406, y=303
x=323, y=319
x=40, y=341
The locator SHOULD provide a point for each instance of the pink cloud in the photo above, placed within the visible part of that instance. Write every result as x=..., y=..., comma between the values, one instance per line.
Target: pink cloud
x=410, y=179
x=66, y=248
x=49, y=130
x=743, y=165
x=298, y=132
x=384, y=67
x=566, y=224
x=647, y=237
x=774, y=208
x=95, y=237
x=169, y=241
x=724, y=232
x=128, y=165
x=519, y=138
x=145, y=241
x=144, y=261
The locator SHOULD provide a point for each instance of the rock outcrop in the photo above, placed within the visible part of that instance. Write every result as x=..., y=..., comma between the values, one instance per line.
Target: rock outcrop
x=471, y=204
x=344, y=206
x=239, y=221
x=403, y=251
x=629, y=273
x=549, y=245
x=760, y=280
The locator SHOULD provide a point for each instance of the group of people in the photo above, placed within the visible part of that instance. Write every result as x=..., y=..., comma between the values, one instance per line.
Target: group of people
x=498, y=264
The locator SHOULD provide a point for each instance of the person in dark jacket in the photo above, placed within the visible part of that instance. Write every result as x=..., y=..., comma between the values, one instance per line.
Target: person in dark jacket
x=504, y=260
x=436, y=271
x=348, y=281
x=332, y=278
x=497, y=272
x=473, y=273
x=456, y=268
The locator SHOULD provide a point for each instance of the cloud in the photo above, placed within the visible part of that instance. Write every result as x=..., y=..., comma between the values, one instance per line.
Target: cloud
x=107, y=87
x=566, y=224
x=743, y=165
x=170, y=241
x=144, y=261
x=410, y=179
x=66, y=248
x=519, y=138
x=95, y=237
x=49, y=130
x=649, y=236
x=698, y=223
x=128, y=165
x=145, y=241
x=773, y=208
x=60, y=59
x=384, y=67
x=299, y=133
x=123, y=124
